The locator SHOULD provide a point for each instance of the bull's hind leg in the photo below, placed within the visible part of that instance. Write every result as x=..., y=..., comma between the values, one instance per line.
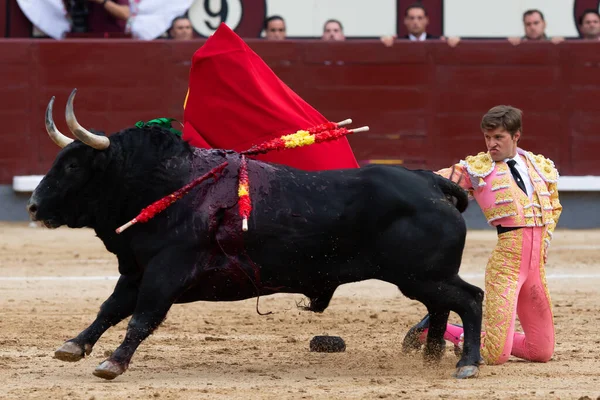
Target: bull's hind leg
x=117, y=307
x=456, y=295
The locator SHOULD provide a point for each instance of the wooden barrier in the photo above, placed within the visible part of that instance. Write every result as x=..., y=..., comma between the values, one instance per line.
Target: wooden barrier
x=423, y=101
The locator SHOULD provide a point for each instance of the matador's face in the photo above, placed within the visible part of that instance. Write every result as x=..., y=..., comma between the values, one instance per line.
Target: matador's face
x=501, y=144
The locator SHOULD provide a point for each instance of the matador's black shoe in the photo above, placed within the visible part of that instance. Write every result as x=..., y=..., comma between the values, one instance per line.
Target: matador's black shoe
x=412, y=340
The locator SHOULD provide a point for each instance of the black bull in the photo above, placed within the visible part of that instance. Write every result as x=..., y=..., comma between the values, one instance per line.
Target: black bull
x=309, y=232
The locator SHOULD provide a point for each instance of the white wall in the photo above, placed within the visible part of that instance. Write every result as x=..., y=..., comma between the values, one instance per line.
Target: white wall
x=373, y=18
x=360, y=18
x=501, y=18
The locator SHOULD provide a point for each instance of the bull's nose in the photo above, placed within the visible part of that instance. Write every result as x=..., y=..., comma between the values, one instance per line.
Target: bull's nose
x=32, y=207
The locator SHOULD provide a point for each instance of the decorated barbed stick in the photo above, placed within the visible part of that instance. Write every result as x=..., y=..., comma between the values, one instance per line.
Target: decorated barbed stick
x=276, y=144
x=321, y=133
x=301, y=138
x=160, y=205
x=245, y=205
x=327, y=126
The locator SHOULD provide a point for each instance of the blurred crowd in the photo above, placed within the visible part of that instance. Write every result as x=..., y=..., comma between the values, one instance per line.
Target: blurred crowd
x=416, y=21
x=110, y=18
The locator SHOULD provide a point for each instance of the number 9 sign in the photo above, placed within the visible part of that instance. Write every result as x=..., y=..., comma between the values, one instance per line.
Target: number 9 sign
x=245, y=17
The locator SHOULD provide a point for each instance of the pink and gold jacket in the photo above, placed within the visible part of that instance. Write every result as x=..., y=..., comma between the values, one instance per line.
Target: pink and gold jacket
x=499, y=197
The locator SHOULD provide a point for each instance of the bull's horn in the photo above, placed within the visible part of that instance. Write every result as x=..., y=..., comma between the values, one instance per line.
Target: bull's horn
x=57, y=137
x=87, y=137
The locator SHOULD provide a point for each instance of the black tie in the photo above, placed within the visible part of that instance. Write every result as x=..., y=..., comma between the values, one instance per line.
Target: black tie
x=516, y=175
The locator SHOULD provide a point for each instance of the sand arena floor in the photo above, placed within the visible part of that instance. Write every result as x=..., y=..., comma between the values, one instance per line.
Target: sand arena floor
x=53, y=282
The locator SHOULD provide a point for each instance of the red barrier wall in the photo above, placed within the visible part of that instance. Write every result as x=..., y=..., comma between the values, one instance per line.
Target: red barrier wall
x=423, y=101
x=13, y=23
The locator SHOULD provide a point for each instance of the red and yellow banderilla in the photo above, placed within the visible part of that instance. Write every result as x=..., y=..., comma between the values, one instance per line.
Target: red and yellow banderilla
x=317, y=134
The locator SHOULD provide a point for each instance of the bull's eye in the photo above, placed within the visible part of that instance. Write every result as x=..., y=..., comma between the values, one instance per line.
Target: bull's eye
x=72, y=166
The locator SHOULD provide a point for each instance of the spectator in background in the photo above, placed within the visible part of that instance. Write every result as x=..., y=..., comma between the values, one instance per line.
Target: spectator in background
x=181, y=29
x=140, y=19
x=416, y=21
x=589, y=25
x=275, y=28
x=333, y=30
x=535, y=29
x=108, y=15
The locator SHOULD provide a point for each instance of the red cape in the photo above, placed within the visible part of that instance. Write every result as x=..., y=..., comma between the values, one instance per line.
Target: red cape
x=235, y=101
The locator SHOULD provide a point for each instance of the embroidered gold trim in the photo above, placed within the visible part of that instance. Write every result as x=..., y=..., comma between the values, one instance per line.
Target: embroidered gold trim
x=544, y=167
x=501, y=280
x=480, y=165
x=500, y=183
x=525, y=207
x=497, y=212
x=503, y=197
x=501, y=169
x=533, y=221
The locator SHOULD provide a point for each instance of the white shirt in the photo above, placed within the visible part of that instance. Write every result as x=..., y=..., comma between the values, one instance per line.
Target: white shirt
x=521, y=166
x=422, y=37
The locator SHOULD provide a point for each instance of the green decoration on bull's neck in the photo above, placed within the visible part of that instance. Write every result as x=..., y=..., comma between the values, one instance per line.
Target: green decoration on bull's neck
x=162, y=122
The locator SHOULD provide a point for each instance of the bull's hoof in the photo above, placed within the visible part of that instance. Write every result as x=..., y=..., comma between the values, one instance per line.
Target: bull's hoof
x=468, y=371
x=412, y=341
x=70, y=351
x=109, y=370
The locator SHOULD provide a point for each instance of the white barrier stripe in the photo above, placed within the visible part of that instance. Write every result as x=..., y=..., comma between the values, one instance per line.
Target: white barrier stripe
x=28, y=183
x=114, y=278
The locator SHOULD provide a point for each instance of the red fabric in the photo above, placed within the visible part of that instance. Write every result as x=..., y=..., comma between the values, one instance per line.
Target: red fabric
x=236, y=101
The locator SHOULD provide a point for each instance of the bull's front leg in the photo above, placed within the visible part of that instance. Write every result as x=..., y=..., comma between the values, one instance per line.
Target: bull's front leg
x=160, y=288
x=117, y=307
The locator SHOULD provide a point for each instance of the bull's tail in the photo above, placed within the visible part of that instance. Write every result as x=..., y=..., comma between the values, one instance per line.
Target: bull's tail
x=453, y=192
